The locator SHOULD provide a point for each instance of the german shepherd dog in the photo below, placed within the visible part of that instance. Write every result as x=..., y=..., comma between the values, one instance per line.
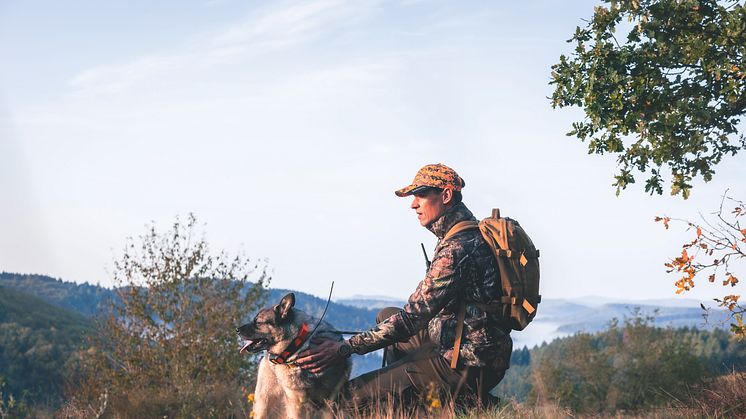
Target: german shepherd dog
x=282, y=388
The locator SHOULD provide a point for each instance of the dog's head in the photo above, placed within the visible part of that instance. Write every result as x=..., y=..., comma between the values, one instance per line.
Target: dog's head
x=270, y=327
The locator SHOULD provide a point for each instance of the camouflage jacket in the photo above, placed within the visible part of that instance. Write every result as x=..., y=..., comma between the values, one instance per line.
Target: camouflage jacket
x=463, y=268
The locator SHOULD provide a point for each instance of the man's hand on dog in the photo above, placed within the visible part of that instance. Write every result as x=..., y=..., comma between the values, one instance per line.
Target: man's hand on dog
x=321, y=356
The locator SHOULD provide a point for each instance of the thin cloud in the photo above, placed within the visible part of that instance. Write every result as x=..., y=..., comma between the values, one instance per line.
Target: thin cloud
x=261, y=32
x=293, y=24
x=115, y=78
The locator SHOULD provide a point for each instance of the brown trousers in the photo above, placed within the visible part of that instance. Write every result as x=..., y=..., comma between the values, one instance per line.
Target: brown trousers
x=414, y=368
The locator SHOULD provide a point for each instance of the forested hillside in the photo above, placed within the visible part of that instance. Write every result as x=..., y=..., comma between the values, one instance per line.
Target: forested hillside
x=85, y=299
x=632, y=365
x=36, y=344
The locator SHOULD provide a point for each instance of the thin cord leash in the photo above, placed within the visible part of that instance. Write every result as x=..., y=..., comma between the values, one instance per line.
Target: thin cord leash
x=328, y=300
x=341, y=332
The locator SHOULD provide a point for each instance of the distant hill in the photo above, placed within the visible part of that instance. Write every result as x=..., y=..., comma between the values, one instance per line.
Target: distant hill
x=371, y=302
x=36, y=342
x=29, y=311
x=85, y=299
x=558, y=318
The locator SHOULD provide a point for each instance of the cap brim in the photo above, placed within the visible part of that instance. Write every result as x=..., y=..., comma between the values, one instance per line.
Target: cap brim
x=410, y=190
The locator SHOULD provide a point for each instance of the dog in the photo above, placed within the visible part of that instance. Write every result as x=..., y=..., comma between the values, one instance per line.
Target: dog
x=282, y=388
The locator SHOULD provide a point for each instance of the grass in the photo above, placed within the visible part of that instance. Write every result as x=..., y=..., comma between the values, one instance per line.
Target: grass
x=723, y=397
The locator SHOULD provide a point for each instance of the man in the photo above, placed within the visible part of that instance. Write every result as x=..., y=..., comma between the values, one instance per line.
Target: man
x=420, y=337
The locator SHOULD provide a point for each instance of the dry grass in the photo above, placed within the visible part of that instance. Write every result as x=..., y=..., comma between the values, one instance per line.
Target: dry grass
x=434, y=406
x=213, y=402
x=723, y=397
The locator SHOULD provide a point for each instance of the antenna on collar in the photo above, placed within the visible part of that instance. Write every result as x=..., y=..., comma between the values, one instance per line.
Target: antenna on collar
x=328, y=300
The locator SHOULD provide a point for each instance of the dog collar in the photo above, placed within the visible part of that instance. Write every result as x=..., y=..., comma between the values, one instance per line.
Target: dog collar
x=294, y=346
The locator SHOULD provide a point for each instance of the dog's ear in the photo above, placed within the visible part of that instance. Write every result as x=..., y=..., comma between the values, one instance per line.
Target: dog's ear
x=286, y=306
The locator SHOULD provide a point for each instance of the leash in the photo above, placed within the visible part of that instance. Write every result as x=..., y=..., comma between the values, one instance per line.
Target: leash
x=328, y=300
x=341, y=332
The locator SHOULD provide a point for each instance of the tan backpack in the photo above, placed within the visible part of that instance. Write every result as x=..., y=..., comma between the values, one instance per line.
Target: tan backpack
x=518, y=263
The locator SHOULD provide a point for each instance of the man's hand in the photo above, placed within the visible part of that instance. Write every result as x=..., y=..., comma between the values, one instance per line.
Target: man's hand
x=321, y=356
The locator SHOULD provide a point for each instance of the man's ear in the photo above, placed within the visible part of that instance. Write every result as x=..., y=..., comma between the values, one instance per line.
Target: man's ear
x=447, y=196
x=286, y=306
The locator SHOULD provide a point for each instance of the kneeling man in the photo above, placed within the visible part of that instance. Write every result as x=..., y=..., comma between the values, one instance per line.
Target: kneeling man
x=420, y=337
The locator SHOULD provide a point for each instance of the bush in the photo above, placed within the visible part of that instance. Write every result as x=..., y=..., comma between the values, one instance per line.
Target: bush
x=633, y=366
x=169, y=347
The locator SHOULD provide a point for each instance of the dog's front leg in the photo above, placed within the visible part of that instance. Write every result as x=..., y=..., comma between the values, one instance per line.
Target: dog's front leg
x=295, y=403
x=265, y=393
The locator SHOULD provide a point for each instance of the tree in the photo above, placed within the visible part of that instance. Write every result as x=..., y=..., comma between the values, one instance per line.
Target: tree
x=718, y=242
x=669, y=97
x=168, y=347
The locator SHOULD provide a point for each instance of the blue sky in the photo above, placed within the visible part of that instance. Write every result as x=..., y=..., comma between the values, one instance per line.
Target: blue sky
x=286, y=127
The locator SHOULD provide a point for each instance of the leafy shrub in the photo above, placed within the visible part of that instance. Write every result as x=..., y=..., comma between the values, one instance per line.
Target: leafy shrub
x=169, y=347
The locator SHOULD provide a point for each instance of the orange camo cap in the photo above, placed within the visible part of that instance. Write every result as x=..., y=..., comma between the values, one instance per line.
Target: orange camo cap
x=433, y=176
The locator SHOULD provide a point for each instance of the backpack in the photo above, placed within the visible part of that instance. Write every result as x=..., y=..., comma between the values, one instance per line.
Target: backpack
x=518, y=264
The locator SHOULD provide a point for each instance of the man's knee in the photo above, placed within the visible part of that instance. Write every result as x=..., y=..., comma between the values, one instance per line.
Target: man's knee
x=386, y=313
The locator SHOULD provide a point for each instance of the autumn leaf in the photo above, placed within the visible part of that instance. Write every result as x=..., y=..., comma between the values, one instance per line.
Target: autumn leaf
x=723, y=241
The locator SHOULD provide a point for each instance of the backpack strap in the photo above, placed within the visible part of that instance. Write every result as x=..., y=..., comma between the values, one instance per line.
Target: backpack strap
x=459, y=331
x=458, y=228
x=461, y=226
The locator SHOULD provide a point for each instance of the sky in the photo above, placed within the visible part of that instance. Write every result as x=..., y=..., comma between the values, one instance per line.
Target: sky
x=285, y=127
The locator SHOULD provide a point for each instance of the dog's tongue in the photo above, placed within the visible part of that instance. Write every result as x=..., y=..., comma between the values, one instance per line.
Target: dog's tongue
x=246, y=346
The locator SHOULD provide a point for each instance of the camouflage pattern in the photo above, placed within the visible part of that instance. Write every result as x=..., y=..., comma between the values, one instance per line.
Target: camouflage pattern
x=463, y=268
x=435, y=176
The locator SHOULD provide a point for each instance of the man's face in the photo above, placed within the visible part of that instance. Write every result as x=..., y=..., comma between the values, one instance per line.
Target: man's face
x=430, y=205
